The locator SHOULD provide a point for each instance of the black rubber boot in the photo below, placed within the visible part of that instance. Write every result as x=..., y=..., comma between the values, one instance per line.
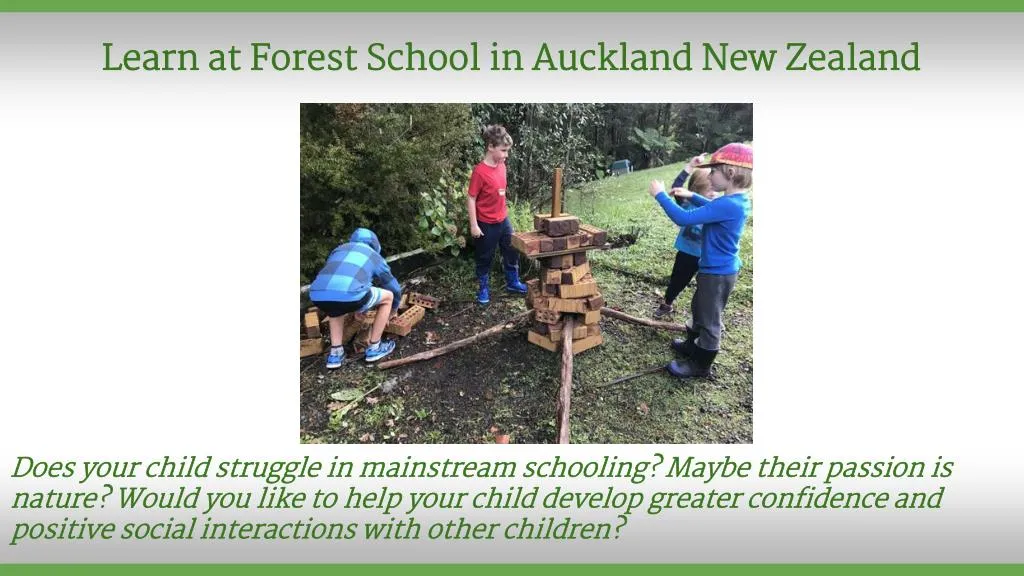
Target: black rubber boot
x=697, y=366
x=685, y=347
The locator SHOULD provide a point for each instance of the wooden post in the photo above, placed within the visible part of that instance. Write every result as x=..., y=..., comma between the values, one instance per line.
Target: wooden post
x=556, y=194
x=565, y=390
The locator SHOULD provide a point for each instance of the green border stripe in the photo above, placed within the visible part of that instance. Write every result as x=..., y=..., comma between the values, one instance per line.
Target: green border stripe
x=515, y=569
x=519, y=6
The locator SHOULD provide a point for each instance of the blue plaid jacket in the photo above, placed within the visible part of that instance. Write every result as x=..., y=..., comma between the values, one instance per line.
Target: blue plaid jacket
x=351, y=270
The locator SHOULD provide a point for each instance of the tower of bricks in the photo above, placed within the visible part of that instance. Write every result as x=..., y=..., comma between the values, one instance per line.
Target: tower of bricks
x=566, y=286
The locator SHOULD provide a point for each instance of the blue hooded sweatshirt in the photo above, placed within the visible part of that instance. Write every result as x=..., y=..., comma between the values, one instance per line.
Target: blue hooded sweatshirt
x=351, y=270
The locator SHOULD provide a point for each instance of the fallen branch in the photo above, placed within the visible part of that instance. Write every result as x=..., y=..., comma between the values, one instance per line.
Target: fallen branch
x=453, y=346
x=631, y=376
x=643, y=321
x=565, y=390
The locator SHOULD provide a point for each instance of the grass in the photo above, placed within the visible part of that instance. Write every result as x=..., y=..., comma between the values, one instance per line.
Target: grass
x=507, y=385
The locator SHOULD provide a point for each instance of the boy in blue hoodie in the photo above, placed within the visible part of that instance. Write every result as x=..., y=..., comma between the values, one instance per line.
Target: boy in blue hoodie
x=724, y=219
x=345, y=284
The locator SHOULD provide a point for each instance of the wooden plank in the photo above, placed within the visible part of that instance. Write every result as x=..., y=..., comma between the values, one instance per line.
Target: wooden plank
x=312, y=323
x=556, y=194
x=587, y=287
x=541, y=340
x=552, y=276
x=310, y=347
x=565, y=388
x=586, y=343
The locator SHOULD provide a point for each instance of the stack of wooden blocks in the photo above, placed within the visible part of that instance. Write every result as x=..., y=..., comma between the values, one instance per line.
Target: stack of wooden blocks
x=566, y=285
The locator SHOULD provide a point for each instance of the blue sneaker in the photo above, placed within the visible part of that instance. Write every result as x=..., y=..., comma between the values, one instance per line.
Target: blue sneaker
x=484, y=295
x=335, y=360
x=512, y=283
x=382, y=349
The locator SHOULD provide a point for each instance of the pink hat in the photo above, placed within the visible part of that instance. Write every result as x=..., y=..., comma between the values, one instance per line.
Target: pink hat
x=734, y=154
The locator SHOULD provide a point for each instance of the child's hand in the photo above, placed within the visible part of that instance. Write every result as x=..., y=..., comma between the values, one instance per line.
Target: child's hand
x=694, y=162
x=682, y=193
x=656, y=187
x=476, y=231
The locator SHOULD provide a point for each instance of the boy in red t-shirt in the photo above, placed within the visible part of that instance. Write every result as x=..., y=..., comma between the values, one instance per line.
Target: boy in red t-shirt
x=488, y=214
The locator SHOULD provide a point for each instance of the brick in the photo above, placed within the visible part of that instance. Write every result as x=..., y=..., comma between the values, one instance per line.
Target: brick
x=310, y=346
x=556, y=335
x=547, y=244
x=547, y=316
x=595, y=302
x=366, y=317
x=577, y=259
x=527, y=242
x=352, y=326
x=405, y=322
x=417, y=299
x=558, y=226
x=587, y=287
x=593, y=329
x=550, y=289
x=559, y=244
x=541, y=340
x=586, y=343
x=541, y=302
x=592, y=317
x=579, y=332
x=597, y=236
x=311, y=320
x=574, y=241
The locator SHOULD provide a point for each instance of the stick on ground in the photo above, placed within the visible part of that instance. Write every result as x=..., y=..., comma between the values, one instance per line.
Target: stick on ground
x=565, y=390
x=453, y=346
x=606, y=311
x=650, y=370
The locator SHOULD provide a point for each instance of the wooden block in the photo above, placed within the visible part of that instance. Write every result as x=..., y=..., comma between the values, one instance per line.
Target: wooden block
x=552, y=276
x=547, y=316
x=586, y=343
x=405, y=322
x=417, y=299
x=558, y=226
x=586, y=287
x=312, y=323
x=577, y=259
x=310, y=347
x=595, y=302
x=579, y=332
x=541, y=340
x=564, y=305
x=593, y=329
x=556, y=335
x=597, y=236
x=592, y=317
x=563, y=261
x=577, y=273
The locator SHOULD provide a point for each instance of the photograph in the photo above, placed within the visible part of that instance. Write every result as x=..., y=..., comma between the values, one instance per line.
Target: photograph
x=526, y=273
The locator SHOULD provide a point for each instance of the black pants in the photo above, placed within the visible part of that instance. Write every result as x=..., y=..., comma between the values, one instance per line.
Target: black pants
x=683, y=271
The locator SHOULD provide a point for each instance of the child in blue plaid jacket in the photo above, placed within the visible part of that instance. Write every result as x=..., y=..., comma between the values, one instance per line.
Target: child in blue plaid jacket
x=345, y=284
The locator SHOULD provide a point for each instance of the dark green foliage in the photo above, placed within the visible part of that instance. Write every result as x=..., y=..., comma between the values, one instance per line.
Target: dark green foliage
x=369, y=165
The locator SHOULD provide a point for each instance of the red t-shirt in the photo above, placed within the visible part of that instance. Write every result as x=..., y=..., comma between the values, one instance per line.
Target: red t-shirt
x=487, y=185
